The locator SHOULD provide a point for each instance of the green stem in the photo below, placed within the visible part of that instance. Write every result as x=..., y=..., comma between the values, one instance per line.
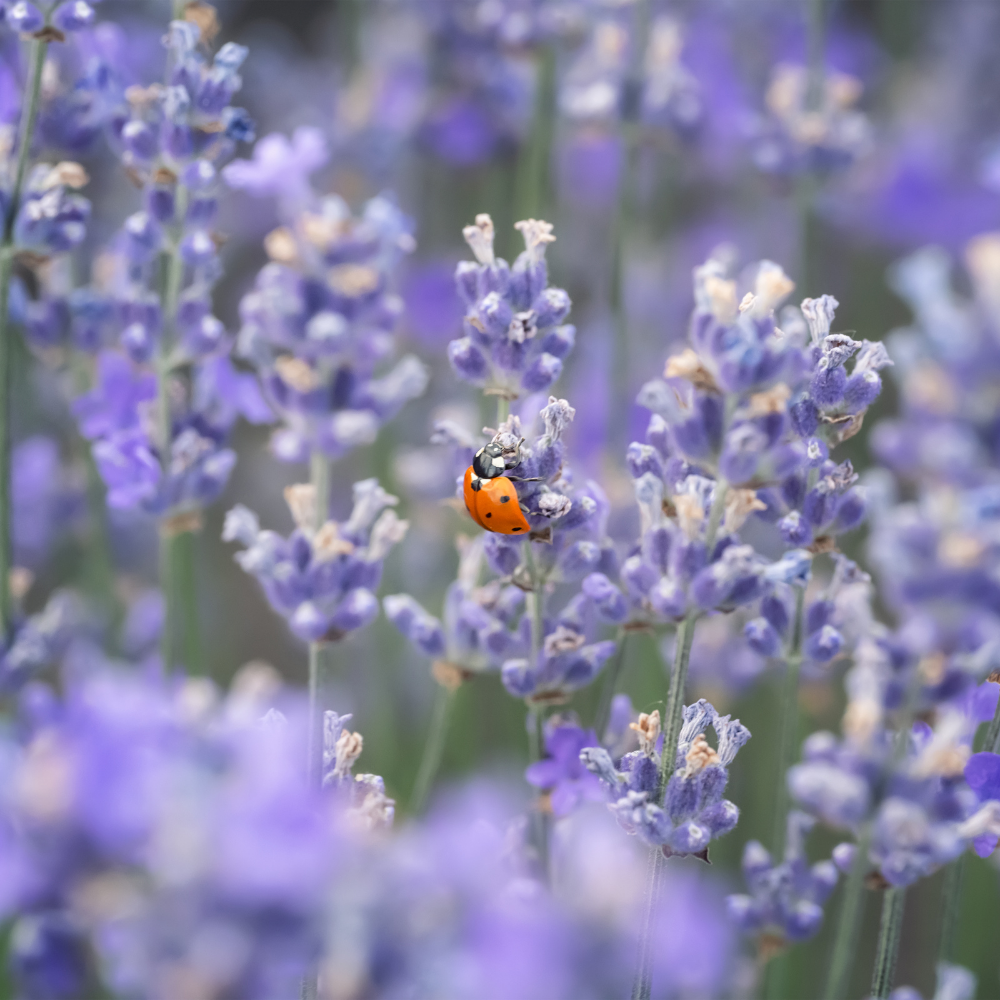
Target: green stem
x=789, y=725
x=178, y=604
x=503, y=409
x=26, y=132
x=951, y=894
x=815, y=44
x=891, y=927
x=433, y=748
x=642, y=984
x=992, y=742
x=319, y=652
x=531, y=183
x=674, y=713
x=848, y=922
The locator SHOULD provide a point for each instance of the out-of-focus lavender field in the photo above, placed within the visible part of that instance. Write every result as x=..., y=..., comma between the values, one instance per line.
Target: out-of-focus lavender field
x=301, y=302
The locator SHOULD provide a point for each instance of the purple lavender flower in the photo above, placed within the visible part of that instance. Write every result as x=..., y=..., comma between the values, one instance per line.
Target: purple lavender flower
x=561, y=773
x=318, y=324
x=321, y=581
x=785, y=899
x=798, y=134
x=693, y=811
x=514, y=339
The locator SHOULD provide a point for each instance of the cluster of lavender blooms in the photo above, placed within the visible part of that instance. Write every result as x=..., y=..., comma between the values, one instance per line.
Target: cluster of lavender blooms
x=485, y=88
x=318, y=324
x=322, y=578
x=542, y=655
x=165, y=394
x=786, y=898
x=693, y=812
x=909, y=790
x=811, y=125
x=515, y=338
x=140, y=820
x=742, y=423
x=832, y=623
x=616, y=77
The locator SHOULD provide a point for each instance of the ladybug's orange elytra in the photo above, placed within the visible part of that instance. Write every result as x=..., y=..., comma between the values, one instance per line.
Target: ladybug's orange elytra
x=494, y=505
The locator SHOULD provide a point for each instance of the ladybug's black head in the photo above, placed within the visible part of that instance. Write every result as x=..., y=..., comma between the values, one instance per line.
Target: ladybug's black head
x=489, y=462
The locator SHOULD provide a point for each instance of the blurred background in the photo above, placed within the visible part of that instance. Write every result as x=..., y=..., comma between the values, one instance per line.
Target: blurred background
x=530, y=110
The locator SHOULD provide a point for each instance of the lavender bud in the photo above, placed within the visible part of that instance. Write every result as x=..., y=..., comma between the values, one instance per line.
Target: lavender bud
x=820, y=504
x=851, y=511
x=139, y=139
x=518, y=678
x=358, y=608
x=607, y=598
x=843, y=857
x=824, y=645
x=803, y=920
x=551, y=308
x=804, y=416
x=774, y=610
x=580, y=558
x=308, y=622
x=466, y=277
x=542, y=373
x=144, y=236
x=495, y=315
x=467, y=360
x=25, y=17
x=198, y=248
x=204, y=337
x=198, y=175
x=668, y=599
x=795, y=530
x=160, y=203
x=560, y=341
x=643, y=458
x=762, y=637
x=861, y=391
x=503, y=555
x=828, y=384
x=420, y=627
x=138, y=343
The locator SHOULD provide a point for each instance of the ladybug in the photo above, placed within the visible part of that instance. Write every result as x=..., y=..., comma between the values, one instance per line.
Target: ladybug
x=490, y=496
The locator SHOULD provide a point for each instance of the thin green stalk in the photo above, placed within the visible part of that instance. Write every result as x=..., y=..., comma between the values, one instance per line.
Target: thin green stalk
x=789, y=725
x=816, y=56
x=433, y=747
x=951, y=894
x=503, y=409
x=992, y=742
x=674, y=712
x=319, y=652
x=890, y=930
x=848, y=922
x=531, y=183
x=174, y=623
x=26, y=132
x=642, y=984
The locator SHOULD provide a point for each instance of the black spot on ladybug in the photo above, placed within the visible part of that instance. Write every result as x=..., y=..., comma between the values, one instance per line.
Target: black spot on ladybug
x=488, y=514
x=504, y=499
x=517, y=529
